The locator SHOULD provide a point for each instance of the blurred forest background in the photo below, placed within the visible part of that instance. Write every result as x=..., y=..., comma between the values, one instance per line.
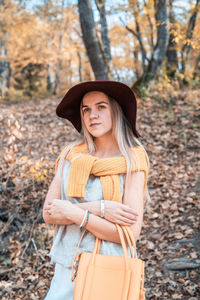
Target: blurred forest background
x=46, y=46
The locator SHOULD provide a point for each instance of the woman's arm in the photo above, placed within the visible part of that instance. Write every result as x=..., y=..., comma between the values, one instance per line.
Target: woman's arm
x=65, y=210
x=134, y=198
x=114, y=212
x=103, y=229
x=54, y=192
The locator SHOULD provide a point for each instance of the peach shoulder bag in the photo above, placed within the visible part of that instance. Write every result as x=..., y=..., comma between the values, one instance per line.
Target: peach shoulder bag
x=107, y=277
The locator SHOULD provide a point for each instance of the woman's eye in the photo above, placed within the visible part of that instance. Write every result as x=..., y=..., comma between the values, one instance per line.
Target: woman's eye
x=85, y=110
x=101, y=106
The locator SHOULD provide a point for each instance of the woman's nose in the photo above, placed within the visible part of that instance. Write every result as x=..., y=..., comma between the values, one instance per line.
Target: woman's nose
x=94, y=113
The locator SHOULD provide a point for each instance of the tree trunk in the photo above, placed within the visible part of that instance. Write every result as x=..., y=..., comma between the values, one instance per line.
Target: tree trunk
x=187, y=47
x=161, y=16
x=5, y=71
x=136, y=60
x=59, y=62
x=51, y=76
x=79, y=66
x=90, y=39
x=172, y=58
x=139, y=36
x=104, y=29
x=150, y=26
x=196, y=73
x=105, y=49
x=135, y=8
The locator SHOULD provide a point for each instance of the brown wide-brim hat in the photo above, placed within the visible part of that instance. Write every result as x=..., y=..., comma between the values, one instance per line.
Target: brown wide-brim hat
x=69, y=107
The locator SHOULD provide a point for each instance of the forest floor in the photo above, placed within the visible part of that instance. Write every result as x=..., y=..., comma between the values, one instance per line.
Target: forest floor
x=32, y=138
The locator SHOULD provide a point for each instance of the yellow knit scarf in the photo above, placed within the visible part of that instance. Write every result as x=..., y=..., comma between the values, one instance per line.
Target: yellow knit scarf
x=108, y=169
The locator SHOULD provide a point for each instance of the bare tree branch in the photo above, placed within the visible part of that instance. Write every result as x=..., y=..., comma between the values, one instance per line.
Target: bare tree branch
x=138, y=36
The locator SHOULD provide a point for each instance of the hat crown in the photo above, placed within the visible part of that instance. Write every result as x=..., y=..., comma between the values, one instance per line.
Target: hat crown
x=69, y=107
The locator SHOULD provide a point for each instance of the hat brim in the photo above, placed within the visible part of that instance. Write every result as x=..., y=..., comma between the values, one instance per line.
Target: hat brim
x=69, y=107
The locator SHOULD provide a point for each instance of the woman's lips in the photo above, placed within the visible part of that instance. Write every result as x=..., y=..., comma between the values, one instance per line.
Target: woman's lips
x=94, y=124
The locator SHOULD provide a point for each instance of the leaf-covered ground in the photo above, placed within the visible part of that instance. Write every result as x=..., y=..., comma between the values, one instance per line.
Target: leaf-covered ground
x=31, y=139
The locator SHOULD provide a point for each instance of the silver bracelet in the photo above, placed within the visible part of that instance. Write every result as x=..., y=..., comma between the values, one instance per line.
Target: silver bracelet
x=84, y=217
x=102, y=208
x=88, y=215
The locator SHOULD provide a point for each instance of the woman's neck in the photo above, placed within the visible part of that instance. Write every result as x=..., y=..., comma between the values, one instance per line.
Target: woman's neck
x=106, y=147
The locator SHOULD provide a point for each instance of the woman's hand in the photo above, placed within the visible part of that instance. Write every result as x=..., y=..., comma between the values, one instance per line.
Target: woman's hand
x=58, y=209
x=119, y=213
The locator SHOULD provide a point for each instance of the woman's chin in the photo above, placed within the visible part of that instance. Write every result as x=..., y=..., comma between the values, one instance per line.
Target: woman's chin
x=99, y=134
x=96, y=135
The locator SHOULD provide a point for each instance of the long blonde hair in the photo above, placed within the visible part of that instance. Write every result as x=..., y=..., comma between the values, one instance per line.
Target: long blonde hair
x=123, y=134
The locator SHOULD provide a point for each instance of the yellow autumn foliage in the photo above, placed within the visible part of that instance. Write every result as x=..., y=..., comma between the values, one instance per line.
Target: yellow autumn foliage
x=47, y=43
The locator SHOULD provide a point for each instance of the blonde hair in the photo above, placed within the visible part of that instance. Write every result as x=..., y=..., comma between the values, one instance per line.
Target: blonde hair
x=123, y=134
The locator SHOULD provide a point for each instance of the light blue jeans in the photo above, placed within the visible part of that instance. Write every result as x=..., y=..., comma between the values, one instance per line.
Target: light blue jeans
x=61, y=287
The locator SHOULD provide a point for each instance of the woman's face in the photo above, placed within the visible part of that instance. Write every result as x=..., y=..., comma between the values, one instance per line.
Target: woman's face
x=96, y=111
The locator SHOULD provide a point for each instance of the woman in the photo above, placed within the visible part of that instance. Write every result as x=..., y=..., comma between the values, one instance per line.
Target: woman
x=102, y=177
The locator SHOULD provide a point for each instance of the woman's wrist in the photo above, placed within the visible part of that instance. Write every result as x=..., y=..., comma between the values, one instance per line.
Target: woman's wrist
x=97, y=208
x=75, y=214
x=84, y=219
x=94, y=207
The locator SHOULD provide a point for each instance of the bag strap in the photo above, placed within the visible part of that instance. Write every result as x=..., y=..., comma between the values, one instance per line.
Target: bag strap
x=129, y=241
x=128, y=232
x=123, y=244
x=130, y=235
x=75, y=260
x=121, y=229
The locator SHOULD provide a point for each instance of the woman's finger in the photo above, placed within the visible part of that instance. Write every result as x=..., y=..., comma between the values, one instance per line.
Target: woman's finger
x=47, y=210
x=122, y=216
x=129, y=216
x=49, y=204
x=126, y=221
x=46, y=207
x=129, y=210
